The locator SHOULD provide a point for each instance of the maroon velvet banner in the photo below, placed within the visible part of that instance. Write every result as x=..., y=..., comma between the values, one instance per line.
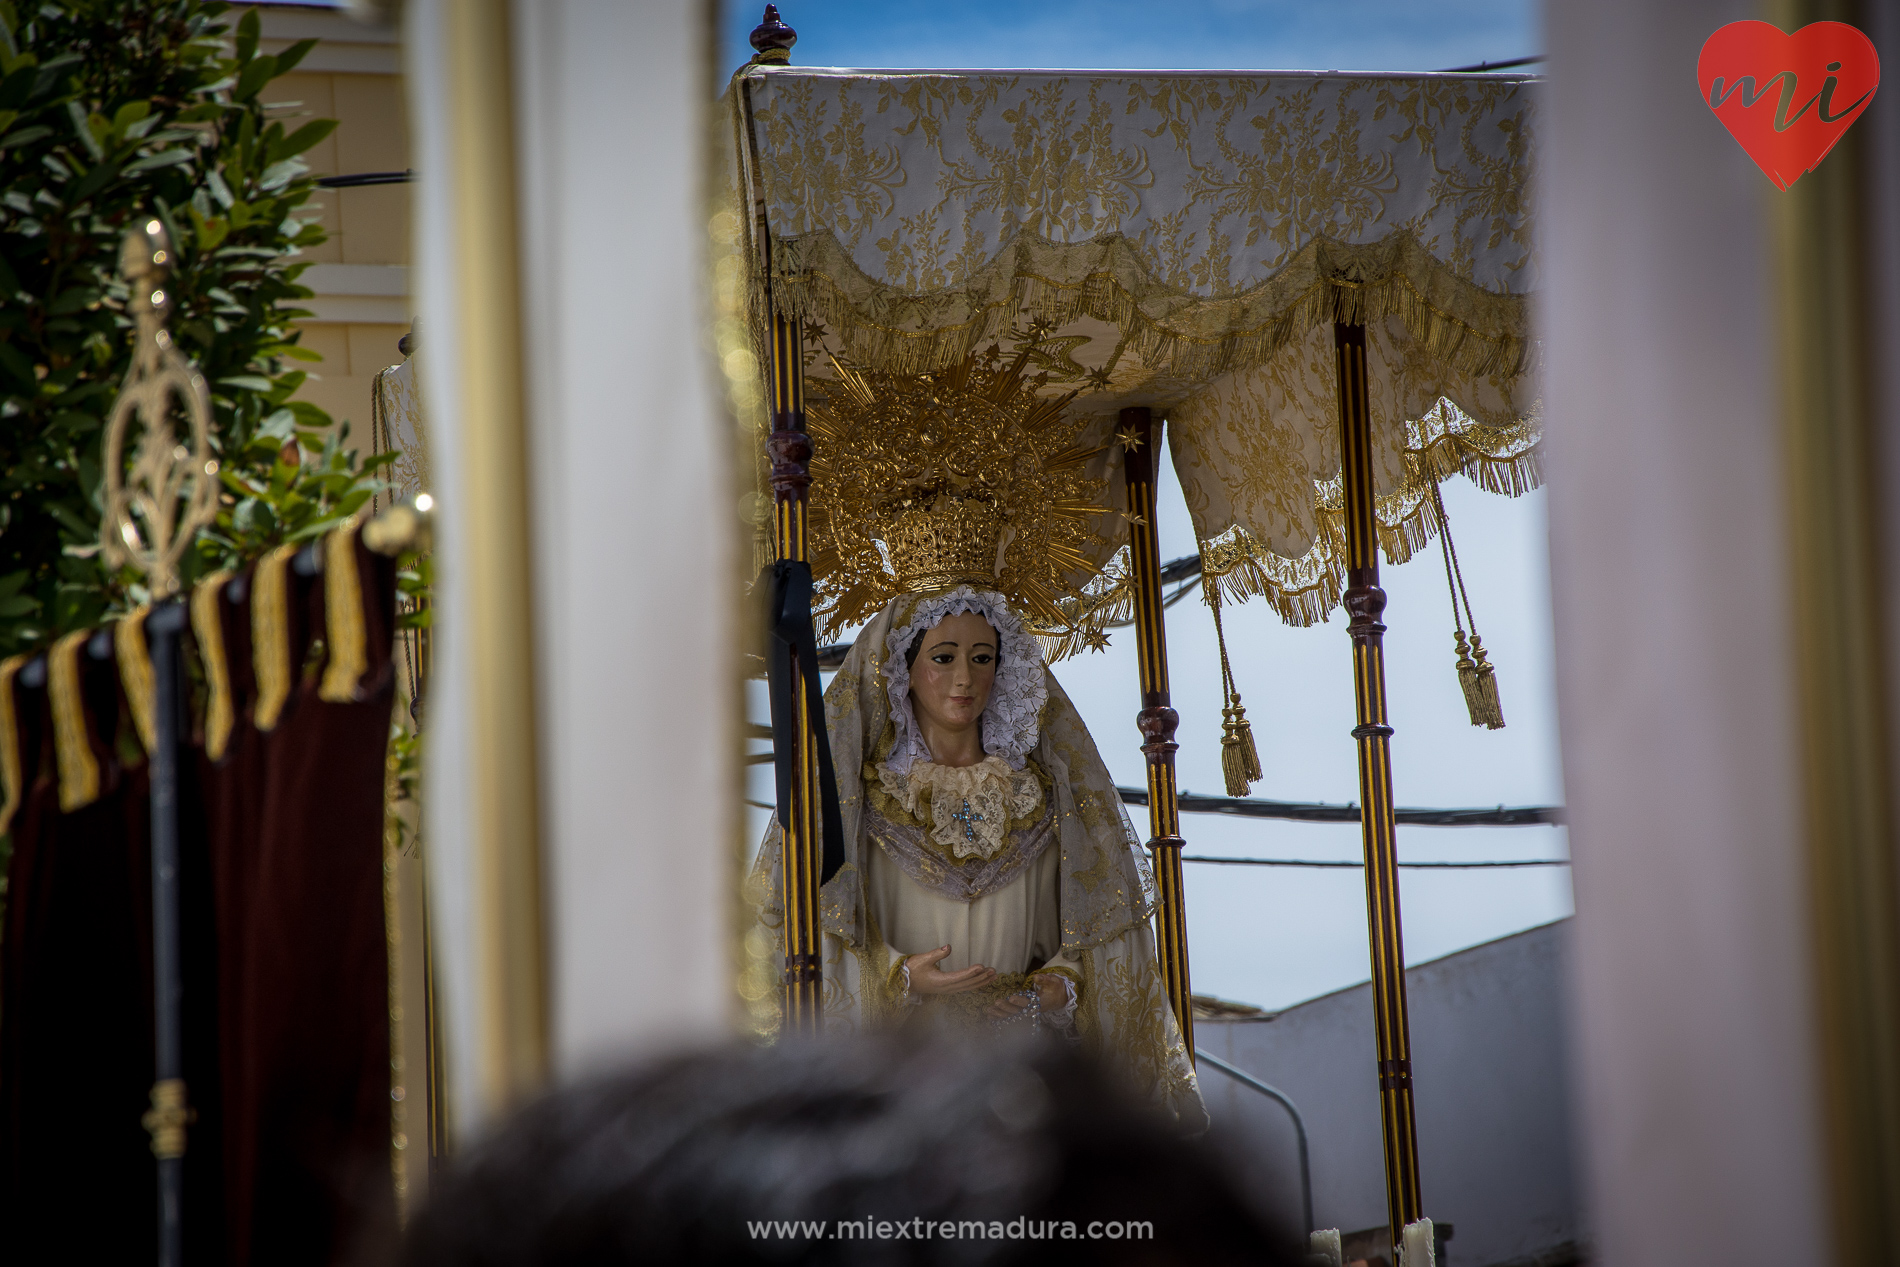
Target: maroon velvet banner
x=285, y=955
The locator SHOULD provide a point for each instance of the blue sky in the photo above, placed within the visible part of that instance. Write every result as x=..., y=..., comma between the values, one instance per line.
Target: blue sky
x=1141, y=34
x=1276, y=936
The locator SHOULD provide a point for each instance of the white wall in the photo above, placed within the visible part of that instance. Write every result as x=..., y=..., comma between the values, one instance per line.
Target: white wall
x=1494, y=1136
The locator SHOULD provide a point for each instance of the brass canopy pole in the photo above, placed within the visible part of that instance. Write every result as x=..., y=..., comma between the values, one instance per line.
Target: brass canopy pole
x=1139, y=437
x=790, y=449
x=1365, y=603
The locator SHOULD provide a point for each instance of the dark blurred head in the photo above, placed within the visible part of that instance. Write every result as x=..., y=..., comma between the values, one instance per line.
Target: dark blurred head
x=1028, y=1150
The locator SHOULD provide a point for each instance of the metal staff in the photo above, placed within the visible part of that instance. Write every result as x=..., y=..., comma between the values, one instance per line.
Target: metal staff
x=1139, y=435
x=172, y=489
x=1365, y=602
x=800, y=809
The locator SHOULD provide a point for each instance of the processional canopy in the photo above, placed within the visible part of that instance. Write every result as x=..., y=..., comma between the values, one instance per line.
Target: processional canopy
x=1179, y=241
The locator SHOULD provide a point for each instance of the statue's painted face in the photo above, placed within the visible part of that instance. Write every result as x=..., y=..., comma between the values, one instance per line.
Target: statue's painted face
x=955, y=668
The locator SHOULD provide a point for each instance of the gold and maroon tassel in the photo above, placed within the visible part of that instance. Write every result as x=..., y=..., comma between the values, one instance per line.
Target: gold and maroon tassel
x=1239, y=758
x=1475, y=674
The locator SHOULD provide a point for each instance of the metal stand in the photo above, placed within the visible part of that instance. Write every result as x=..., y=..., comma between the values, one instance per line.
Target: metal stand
x=169, y=1114
x=1365, y=602
x=1139, y=437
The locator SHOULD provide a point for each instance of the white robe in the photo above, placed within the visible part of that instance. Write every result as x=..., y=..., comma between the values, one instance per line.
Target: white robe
x=1011, y=930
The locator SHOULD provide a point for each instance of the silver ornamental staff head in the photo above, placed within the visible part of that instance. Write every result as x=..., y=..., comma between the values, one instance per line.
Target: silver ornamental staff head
x=155, y=506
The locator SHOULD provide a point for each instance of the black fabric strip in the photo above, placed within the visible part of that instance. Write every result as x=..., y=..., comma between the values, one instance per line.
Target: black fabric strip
x=790, y=641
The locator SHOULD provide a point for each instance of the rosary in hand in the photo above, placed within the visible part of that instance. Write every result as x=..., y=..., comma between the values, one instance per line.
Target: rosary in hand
x=1032, y=1013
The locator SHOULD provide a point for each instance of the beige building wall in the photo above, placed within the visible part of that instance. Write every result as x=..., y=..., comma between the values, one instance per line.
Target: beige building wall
x=361, y=275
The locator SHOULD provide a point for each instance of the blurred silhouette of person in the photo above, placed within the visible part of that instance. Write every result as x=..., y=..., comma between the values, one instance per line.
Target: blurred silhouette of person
x=852, y=1150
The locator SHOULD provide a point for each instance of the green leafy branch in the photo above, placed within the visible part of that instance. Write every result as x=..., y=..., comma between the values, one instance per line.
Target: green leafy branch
x=109, y=112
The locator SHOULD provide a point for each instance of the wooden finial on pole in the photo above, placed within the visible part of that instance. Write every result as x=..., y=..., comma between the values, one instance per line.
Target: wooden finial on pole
x=772, y=40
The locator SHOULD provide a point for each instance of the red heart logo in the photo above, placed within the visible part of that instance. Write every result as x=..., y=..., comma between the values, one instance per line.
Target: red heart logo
x=1787, y=98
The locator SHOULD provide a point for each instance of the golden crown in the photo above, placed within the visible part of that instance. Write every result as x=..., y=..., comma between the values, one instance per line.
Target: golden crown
x=952, y=541
x=966, y=476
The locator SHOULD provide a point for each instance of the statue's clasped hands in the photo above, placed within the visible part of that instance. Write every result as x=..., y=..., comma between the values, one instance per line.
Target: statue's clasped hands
x=1051, y=992
x=927, y=978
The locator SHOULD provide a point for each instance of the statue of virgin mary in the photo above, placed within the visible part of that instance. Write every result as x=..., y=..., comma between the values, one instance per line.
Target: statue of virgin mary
x=991, y=879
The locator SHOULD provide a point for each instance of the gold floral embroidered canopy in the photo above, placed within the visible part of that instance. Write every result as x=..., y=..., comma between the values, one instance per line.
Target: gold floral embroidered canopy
x=1185, y=242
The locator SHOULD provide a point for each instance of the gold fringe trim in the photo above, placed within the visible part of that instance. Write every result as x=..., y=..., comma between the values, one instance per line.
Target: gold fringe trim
x=1303, y=591
x=12, y=778
x=136, y=676
x=1108, y=599
x=72, y=748
x=1506, y=460
x=270, y=635
x=1195, y=337
x=208, y=627
x=342, y=617
x=1501, y=456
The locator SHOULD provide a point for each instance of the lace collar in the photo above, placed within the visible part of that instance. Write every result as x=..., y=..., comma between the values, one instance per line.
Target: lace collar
x=970, y=806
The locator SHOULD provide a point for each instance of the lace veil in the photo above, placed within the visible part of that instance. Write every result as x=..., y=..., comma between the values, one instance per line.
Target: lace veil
x=1107, y=884
x=1011, y=722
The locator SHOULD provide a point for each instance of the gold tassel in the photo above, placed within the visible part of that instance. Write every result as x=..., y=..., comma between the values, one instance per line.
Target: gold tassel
x=1475, y=674
x=1480, y=683
x=1239, y=759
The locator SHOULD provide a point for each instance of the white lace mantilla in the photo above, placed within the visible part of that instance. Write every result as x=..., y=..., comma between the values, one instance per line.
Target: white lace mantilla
x=970, y=806
x=1010, y=720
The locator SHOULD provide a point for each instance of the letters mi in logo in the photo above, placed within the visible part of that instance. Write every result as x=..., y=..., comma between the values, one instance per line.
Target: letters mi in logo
x=1787, y=98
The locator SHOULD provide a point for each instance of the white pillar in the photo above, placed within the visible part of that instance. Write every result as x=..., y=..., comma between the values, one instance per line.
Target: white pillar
x=631, y=534
x=636, y=524
x=1693, y=990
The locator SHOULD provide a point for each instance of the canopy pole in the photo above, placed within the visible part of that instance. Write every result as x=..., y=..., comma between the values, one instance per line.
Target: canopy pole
x=169, y=1114
x=1139, y=435
x=1365, y=603
x=801, y=870
x=789, y=447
